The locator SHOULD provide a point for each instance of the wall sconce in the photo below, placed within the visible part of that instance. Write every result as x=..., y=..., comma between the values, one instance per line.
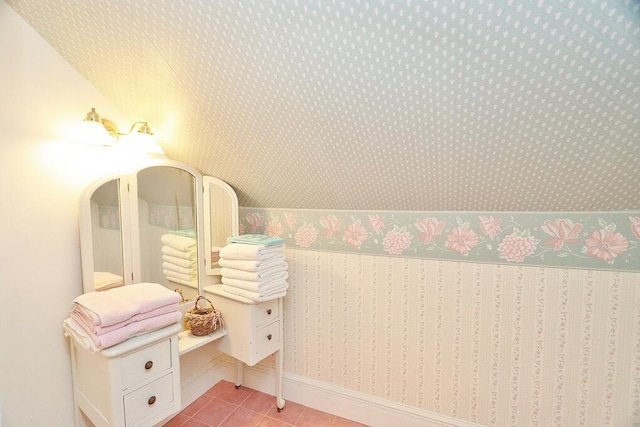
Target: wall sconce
x=141, y=140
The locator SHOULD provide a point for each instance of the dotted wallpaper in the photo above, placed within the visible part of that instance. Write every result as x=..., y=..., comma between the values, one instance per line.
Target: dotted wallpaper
x=454, y=105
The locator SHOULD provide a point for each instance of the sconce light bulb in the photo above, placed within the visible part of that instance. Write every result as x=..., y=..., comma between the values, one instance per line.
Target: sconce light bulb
x=92, y=116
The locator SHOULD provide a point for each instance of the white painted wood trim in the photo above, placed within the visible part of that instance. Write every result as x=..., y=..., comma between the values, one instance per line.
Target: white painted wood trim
x=370, y=410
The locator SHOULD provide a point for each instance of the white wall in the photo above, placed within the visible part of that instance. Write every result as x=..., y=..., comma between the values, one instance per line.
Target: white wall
x=43, y=174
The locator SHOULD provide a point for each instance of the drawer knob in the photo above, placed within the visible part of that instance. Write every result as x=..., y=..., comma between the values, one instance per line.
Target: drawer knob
x=148, y=365
x=269, y=337
x=151, y=400
x=269, y=311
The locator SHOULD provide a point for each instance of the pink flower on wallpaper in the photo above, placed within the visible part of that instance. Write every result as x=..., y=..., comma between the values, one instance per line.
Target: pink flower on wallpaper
x=355, y=235
x=291, y=220
x=306, y=235
x=255, y=220
x=396, y=241
x=462, y=240
x=274, y=228
x=431, y=229
x=563, y=231
x=331, y=225
x=376, y=222
x=605, y=245
x=241, y=229
x=516, y=247
x=635, y=226
x=490, y=226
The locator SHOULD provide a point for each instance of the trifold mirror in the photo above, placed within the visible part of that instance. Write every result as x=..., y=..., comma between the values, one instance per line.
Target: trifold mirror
x=163, y=223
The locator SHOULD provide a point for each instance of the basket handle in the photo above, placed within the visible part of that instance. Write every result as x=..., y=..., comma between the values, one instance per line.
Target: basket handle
x=204, y=298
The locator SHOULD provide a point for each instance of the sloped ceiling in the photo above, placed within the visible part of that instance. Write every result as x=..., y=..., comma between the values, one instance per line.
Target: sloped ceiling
x=479, y=105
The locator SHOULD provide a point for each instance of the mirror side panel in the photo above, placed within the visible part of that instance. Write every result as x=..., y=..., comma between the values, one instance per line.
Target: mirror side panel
x=220, y=220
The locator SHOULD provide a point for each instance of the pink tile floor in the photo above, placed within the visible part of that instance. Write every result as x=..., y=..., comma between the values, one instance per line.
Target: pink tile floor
x=225, y=406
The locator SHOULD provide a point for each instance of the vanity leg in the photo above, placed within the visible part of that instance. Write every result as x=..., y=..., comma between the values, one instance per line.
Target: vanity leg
x=238, y=373
x=279, y=400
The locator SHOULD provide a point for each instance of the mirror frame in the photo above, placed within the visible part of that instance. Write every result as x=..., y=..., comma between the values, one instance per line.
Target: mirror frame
x=129, y=227
x=86, y=231
x=209, y=181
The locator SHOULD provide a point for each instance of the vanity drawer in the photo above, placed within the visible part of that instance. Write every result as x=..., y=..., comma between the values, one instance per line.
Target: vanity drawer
x=268, y=337
x=146, y=363
x=148, y=401
x=266, y=312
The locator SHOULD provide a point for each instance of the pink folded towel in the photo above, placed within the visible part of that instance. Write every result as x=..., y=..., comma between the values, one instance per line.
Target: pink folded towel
x=136, y=328
x=91, y=341
x=107, y=308
x=100, y=330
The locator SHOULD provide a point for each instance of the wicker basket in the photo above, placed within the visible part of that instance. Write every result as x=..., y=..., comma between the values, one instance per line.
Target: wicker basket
x=203, y=321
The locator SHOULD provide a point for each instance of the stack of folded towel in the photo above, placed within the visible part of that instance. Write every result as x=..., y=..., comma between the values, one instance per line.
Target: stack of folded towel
x=254, y=267
x=179, y=259
x=100, y=320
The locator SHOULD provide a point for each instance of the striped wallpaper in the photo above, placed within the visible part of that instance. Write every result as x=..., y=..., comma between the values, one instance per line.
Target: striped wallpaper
x=499, y=345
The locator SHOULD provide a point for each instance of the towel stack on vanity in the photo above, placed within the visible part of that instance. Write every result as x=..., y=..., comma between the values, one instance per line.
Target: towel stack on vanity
x=254, y=267
x=180, y=259
x=100, y=320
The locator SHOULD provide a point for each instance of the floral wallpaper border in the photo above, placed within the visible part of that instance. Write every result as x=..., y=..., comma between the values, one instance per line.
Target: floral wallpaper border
x=585, y=240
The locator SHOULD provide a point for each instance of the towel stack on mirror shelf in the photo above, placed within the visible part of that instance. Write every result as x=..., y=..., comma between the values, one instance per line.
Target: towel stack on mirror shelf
x=99, y=320
x=180, y=262
x=254, y=267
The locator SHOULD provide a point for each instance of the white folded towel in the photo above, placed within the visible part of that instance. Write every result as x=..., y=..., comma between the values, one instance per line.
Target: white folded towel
x=255, y=296
x=193, y=283
x=193, y=270
x=246, y=300
x=255, y=252
x=253, y=265
x=278, y=272
x=170, y=274
x=181, y=243
x=260, y=287
x=181, y=262
x=190, y=255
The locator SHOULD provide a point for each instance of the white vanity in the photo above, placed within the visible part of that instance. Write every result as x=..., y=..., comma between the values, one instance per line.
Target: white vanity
x=122, y=221
x=254, y=331
x=134, y=383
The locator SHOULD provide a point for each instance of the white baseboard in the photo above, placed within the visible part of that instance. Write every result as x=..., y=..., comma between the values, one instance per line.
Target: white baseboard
x=363, y=408
x=205, y=378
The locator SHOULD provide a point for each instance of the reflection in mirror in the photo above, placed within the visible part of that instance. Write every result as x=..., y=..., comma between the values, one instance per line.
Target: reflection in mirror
x=106, y=231
x=167, y=229
x=221, y=224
